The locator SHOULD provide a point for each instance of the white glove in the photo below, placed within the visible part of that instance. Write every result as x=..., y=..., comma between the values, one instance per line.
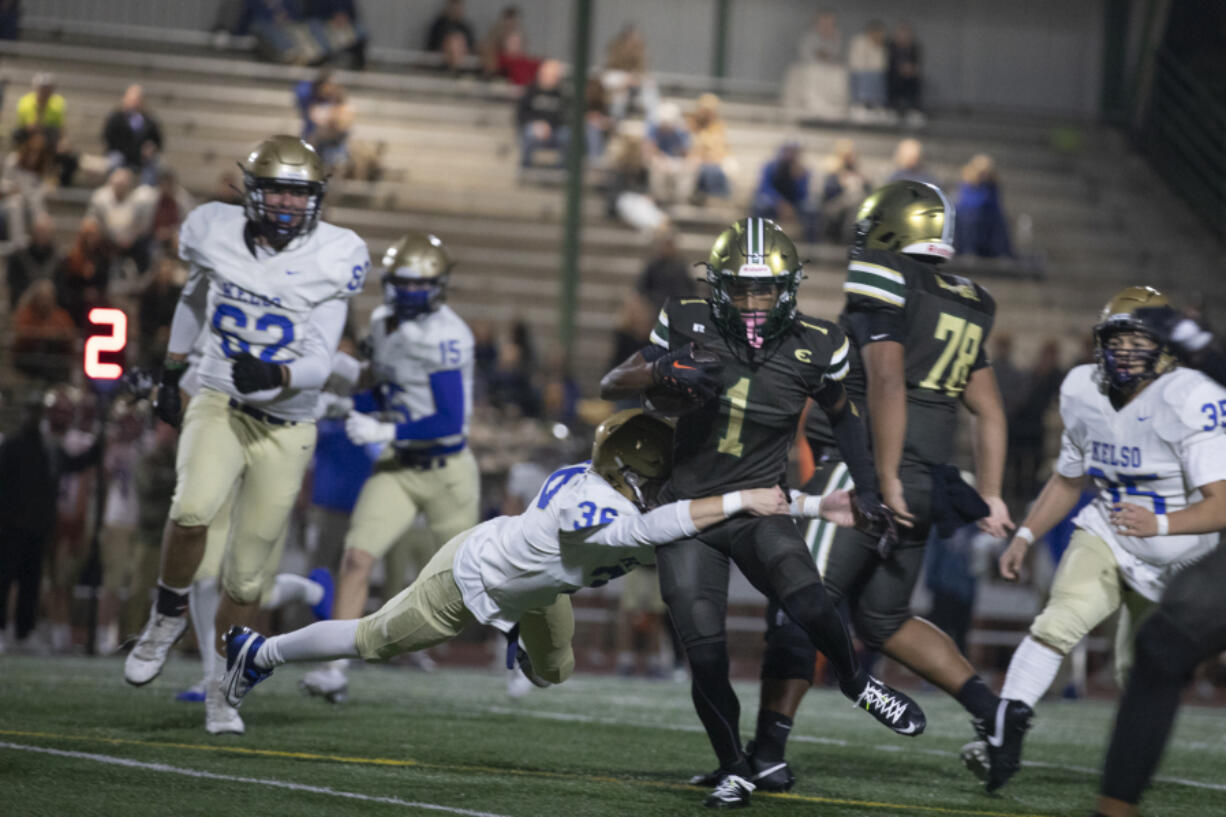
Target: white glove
x=364, y=430
x=333, y=406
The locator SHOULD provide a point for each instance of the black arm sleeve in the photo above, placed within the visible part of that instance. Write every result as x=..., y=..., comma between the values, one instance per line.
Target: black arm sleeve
x=652, y=352
x=850, y=436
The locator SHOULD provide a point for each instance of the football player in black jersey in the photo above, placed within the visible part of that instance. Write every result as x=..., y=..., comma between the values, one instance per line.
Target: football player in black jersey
x=1188, y=627
x=749, y=362
x=917, y=340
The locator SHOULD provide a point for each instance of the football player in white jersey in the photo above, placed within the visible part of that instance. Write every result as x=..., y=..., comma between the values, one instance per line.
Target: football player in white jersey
x=422, y=365
x=1136, y=425
x=272, y=284
x=589, y=523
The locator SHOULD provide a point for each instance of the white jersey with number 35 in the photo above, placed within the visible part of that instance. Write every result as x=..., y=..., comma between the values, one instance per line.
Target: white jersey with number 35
x=577, y=532
x=1156, y=452
x=261, y=302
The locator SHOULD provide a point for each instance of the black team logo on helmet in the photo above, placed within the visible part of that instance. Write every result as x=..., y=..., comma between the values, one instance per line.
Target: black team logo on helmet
x=753, y=257
x=633, y=452
x=416, y=270
x=1122, y=366
x=283, y=165
x=909, y=217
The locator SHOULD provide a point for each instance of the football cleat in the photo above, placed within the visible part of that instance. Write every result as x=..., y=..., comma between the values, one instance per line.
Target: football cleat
x=524, y=661
x=732, y=792
x=242, y=643
x=328, y=683
x=892, y=708
x=770, y=775
x=194, y=694
x=1003, y=741
x=709, y=779
x=974, y=757
x=323, y=577
x=147, y=658
x=219, y=717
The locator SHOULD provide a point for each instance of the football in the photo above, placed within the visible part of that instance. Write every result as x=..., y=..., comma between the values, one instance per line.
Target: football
x=662, y=400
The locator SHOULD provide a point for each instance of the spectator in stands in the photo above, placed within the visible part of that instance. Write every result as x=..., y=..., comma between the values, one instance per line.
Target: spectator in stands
x=491, y=49
x=309, y=92
x=625, y=75
x=514, y=65
x=666, y=274
x=980, y=227
x=909, y=163
x=155, y=484
x=635, y=319
x=132, y=137
x=668, y=148
x=331, y=117
x=542, y=115
x=10, y=19
x=510, y=383
x=626, y=195
x=44, y=335
x=126, y=215
x=905, y=74
x=843, y=189
x=783, y=192
x=34, y=262
x=710, y=151
x=823, y=43
x=42, y=110
x=24, y=180
x=338, y=23
x=597, y=123
x=157, y=308
x=82, y=277
x=1028, y=424
x=120, y=549
x=451, y=35
x=867, y=61
x=560, y=392
x=816, y=84
x=281, y=31
x=951, y=574
x=171, y=205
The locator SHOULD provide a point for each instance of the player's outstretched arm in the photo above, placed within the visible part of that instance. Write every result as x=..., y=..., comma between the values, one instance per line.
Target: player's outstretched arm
x=677, y=520
x=630, y=378
x=1206, y=516
x=1058, y=497
x=834, y=507
x=982, y=397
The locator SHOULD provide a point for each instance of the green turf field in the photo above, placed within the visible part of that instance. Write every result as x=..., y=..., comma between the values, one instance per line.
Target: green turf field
x=75, y=740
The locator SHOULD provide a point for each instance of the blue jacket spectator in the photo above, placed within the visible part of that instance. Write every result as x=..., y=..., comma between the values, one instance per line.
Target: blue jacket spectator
x=783, y=191
x=980, y=227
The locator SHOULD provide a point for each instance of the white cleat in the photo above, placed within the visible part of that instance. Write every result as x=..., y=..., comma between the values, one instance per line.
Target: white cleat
x=328, y=683
x=148, y=657
x=219, y=717
x=518, y=684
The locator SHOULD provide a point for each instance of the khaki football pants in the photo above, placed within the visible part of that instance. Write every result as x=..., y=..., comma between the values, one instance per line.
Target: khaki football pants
x=223, y=450
x=393, y=496
x=215, y=549
x=1086, y=590
x=431, y=611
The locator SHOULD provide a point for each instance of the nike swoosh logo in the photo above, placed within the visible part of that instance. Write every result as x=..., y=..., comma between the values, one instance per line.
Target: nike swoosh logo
x=683, y=366
x=292, y=271
x=997, y=738
x=771, y=770
x=879, y=337
x=1143, y=419
x=912, y=728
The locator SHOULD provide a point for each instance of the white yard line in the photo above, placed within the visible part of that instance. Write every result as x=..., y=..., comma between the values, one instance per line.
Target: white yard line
x=256, y=781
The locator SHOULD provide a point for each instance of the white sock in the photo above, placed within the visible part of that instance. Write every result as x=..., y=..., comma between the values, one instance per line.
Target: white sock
x=287, y=588
x=315, y=642
x=1031, y=672
x=205, y=595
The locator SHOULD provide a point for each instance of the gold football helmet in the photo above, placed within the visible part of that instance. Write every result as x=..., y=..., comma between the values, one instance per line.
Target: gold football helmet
x=753, y=256
x=908, y=217
x=280, y=165
x=416, y=270
x=633, y=452
x=1121, y=365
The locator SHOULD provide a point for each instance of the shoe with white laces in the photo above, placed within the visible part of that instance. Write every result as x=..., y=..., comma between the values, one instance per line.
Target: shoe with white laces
x=1002, y=741
x=327, y=682
x=148, y=657
x=892, y=708
x=732, y=792
x=219, y=717
x=242, y=643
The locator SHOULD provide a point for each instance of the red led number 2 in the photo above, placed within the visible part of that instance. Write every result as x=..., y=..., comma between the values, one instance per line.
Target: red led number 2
x=113, y=341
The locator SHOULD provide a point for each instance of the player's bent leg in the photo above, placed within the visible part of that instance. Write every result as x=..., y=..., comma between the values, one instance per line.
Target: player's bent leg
x=1134, y=610
x=546, y=634
x=384, y=511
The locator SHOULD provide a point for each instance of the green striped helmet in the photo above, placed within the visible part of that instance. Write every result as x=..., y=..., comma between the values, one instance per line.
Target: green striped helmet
x=753, y=256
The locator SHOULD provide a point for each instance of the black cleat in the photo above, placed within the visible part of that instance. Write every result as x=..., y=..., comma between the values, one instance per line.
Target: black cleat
x=709, y=779
x=769, y=775
x=732, y=792
x=892, y=708
x=1004, y=741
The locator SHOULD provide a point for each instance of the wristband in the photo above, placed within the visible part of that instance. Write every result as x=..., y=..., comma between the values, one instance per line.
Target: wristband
x=733, y=503
x=1025, y=534
x=1164, y=524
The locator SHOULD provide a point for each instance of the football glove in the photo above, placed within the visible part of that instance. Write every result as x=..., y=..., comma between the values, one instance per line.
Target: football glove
x=252, y=374
x=364, y=429
x=1186, y=337
x=875, y=518
x=167, y=401
x=689, y=371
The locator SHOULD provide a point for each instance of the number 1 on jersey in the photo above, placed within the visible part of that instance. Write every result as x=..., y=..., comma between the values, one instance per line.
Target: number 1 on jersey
x=738, y=398
x=961, y=338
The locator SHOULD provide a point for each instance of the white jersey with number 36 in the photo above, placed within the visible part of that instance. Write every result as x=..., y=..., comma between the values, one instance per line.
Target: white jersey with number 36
x=577, y=532
x=1156, y=452
x=262, y=302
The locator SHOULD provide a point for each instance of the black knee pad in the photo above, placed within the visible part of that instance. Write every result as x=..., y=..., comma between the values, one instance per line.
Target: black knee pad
x=789, y=652
x=792, y=570
x=1163, y=648
x=874, y=629
x=708, y=657
x=697, y=619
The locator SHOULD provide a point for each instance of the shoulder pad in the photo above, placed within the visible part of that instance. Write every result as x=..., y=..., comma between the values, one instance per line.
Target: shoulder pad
x=1191, y=403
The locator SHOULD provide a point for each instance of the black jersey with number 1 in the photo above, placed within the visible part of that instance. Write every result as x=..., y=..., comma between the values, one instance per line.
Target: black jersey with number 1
x=943, y=322
x=741, y=440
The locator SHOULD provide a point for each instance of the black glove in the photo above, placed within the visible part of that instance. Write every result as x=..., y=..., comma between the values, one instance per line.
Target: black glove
x=167, y=401
x=1185, y=336
x=252, y=374
x=875, y=518
x=689, y=371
